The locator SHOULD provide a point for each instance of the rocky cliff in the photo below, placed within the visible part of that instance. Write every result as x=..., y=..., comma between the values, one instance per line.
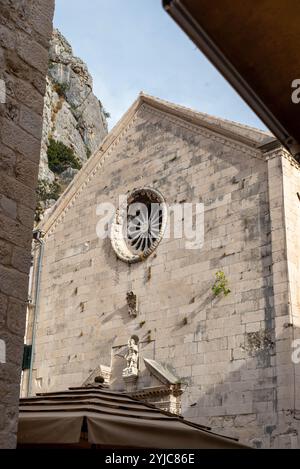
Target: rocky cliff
x=75, y=122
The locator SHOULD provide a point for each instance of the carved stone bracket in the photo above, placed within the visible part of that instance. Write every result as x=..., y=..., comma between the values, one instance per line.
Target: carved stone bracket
x=131, y=299
x=130, y=380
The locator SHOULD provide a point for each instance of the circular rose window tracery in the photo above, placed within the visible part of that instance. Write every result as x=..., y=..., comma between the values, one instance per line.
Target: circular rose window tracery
x=139, y=225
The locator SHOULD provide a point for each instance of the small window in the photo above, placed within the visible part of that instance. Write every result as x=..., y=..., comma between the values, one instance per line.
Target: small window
x=27, y=357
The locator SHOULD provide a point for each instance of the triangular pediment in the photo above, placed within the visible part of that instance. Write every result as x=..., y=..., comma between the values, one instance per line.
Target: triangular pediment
x=226, y=131
x=162, y=374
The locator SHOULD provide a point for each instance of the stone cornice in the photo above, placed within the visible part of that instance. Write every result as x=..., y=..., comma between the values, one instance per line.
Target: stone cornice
x=213, y=132
x=165, y=390
x=282, y=152
x=290, y=158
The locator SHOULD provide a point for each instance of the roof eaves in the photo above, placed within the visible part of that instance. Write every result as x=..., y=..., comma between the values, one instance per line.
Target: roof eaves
x=209, y=122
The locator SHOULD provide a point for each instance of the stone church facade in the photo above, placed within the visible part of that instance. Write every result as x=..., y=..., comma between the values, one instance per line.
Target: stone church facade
x=229, y=360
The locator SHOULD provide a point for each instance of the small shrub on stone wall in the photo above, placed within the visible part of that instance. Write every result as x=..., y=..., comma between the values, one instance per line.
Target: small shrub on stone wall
x=221, y=284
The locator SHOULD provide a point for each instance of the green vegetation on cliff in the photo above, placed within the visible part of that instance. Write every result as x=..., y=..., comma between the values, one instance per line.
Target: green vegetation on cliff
x=61, y=157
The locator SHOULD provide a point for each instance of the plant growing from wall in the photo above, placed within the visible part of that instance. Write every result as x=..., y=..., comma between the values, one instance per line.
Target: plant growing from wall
x=61, y=157
x=221, y=284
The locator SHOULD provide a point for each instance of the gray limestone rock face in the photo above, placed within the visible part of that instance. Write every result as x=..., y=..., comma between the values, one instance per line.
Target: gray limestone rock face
x=68, y=175
x=73, y=115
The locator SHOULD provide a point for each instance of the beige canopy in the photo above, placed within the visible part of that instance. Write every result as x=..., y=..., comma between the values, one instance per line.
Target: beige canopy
x=84, y=417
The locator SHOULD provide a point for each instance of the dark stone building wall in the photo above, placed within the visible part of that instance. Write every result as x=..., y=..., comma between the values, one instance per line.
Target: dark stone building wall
x=25, y=30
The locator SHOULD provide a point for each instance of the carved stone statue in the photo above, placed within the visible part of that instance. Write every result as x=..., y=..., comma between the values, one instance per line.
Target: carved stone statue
x=132, y=356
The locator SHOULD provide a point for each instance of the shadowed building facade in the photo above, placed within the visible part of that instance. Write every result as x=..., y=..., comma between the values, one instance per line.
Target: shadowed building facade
x=25, y=30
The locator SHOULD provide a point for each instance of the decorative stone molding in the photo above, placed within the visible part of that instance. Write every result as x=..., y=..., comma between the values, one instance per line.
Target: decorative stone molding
x=130, y=381
x=157, y=370
x=132, y=304
x=100, y=371
x=165, y=397
x=279, y=152
x=120, y=234
x=212, y=134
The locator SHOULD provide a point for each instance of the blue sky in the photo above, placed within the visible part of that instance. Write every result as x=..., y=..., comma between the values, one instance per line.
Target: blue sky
x=132, y=46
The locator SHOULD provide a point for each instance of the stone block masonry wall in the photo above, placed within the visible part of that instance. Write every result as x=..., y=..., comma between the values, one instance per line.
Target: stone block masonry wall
x=287, y=299
x=222, y=348
x=25, y=30
x=283, y=181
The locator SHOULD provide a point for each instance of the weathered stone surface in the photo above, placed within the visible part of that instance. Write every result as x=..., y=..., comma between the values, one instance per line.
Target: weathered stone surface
x=7, y=160
x=68, y=175
x=223, y=348
x=32, y=52
x=19, y=140
x=8, y=207
x=13, y=189
x=72, y=113
x=13, y=283
x=15, y=317
x=21, y=260
x=3, y=307
x=6, y=249
x=25, y=171
x=25, y=30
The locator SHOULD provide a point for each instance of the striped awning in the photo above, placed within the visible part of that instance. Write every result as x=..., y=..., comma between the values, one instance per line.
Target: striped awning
x=106, y=419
